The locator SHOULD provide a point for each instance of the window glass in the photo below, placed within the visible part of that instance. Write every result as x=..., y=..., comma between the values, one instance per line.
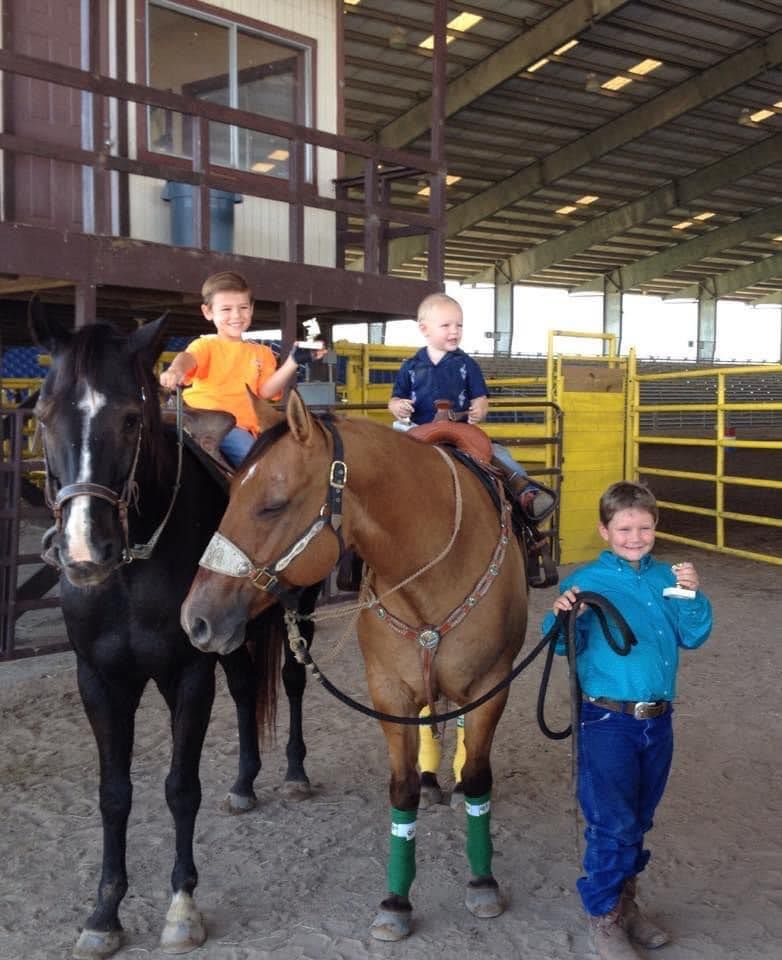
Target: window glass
x=225, y=65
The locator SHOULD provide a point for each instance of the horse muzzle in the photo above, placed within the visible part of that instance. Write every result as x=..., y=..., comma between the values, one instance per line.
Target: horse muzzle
x=80, y=573
x=212, y=627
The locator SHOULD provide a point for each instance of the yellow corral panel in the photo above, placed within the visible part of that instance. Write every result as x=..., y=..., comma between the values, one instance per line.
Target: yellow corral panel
x=593, y=458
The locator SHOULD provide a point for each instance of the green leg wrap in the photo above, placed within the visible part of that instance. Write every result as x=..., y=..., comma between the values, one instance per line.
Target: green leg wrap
x=401, y=861
x=479, y=849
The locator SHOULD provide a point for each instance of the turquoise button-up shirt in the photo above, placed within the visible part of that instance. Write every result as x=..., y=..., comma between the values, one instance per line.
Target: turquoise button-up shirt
x=661, y=626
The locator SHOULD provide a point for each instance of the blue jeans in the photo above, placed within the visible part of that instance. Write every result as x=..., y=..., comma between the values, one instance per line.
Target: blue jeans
x=503, y=455
x=623, y=766
x=236, y=445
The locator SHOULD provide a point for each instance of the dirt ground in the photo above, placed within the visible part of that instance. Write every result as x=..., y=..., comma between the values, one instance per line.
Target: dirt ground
x=301, y=881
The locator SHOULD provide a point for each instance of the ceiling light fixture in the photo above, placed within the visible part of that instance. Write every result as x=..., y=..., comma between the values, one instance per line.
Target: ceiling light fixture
x=616, y=83
x=587, y=199
x=278, y=155
x=463, y=22
x=706, y=215
x=759, y=115
x=537, y=65
x=567, y=209
x=261, y=167
x=645, y=66
x=449, y=179
x=744, y=119
x=682, y=226
x=565, y=47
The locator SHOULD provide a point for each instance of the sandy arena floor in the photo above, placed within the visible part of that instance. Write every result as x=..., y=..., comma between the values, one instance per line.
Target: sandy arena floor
x=294, y=881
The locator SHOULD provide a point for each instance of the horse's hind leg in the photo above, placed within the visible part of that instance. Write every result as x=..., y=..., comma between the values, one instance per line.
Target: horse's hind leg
x=240, y=676
x=190, y=700
x=110, y=712
x=294, y=679
x=483, y=898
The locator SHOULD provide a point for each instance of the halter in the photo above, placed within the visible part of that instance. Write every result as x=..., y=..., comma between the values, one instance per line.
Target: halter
x=120, y=500
x=223, y=556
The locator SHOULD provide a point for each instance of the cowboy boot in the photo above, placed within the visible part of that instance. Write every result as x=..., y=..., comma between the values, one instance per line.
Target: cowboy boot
x=609, y=936
x=535, y=503
x=639, y=928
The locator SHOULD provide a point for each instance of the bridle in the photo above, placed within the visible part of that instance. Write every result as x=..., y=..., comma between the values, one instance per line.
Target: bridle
x=120, y=501
x=223, y=556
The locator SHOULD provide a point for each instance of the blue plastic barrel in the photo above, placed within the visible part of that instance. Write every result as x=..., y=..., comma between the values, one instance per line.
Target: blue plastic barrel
x=221, y=216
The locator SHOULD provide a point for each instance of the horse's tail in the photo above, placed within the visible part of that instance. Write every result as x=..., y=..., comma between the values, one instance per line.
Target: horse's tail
x=265, y=638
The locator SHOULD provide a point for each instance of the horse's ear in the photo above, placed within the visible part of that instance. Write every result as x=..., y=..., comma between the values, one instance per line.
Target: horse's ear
x=46, y=332
x=264, y=411
x=299, y=418
x=147, y=340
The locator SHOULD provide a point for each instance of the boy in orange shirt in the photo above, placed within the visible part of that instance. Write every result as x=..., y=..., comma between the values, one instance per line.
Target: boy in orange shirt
x=220, y=365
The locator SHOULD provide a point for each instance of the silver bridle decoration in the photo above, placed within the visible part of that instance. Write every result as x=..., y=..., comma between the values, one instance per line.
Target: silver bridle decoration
x=223, y=556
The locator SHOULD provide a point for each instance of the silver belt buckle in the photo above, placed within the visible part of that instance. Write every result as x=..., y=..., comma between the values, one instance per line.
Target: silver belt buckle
x=645, y=709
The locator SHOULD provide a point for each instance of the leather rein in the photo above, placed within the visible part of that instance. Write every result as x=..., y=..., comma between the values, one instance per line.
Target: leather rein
x=121, y=501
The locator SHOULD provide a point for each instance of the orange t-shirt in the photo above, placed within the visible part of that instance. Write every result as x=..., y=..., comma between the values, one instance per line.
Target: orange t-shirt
x=223, y=368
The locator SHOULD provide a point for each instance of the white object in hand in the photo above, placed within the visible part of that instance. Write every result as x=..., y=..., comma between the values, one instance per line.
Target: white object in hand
x=684, y=593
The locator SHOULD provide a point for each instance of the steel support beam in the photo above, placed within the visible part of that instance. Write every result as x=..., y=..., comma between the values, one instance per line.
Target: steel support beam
x=612, y=313
x=722, y=284
x=503, y=317
x=664, y=263
x=677, y=193
x=672, y=103
x=707, y=326
x=376, y=332
x=774, y=299
x=524, y=50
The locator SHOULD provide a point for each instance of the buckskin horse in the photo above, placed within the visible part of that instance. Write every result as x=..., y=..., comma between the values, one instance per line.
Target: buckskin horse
x=445, y=596
x=132, y=519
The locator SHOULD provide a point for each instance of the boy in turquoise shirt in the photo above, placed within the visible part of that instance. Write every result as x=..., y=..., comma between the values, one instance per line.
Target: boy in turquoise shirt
x=625, y=736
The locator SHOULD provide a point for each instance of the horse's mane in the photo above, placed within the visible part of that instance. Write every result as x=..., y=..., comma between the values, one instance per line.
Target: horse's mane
x=273, y=434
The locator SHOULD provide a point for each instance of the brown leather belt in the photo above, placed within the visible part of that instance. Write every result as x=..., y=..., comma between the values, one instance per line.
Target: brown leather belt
x=640, y=709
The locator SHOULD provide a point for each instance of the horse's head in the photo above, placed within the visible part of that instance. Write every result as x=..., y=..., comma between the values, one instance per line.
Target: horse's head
x=277, y=534
x=93, y=407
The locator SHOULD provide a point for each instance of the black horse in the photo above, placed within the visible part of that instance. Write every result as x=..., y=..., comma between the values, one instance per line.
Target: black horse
x=132, y=521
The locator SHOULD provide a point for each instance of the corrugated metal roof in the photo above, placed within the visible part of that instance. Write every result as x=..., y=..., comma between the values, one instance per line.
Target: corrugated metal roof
x=672, y=145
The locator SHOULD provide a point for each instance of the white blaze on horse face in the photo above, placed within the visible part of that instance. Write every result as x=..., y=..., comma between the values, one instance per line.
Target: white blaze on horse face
x=77, y=529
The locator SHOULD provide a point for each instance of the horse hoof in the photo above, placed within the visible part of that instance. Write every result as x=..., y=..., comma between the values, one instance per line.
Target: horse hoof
x=390, y=925
x=430, y=795
x=457, y=798
x=483, y=898
x=185, y=929
x=236, y=803
x=296, y=790
x=96, y=944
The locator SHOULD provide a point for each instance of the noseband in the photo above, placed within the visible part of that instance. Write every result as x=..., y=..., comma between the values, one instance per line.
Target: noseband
x=120, y=501
x=223, y=556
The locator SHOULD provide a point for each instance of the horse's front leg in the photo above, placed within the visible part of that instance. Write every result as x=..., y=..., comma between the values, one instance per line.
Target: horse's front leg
x=242, y=685
x=294, y=679
x=111, y=712
x=483, y=898
x=394, y=918
x=189, y=698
